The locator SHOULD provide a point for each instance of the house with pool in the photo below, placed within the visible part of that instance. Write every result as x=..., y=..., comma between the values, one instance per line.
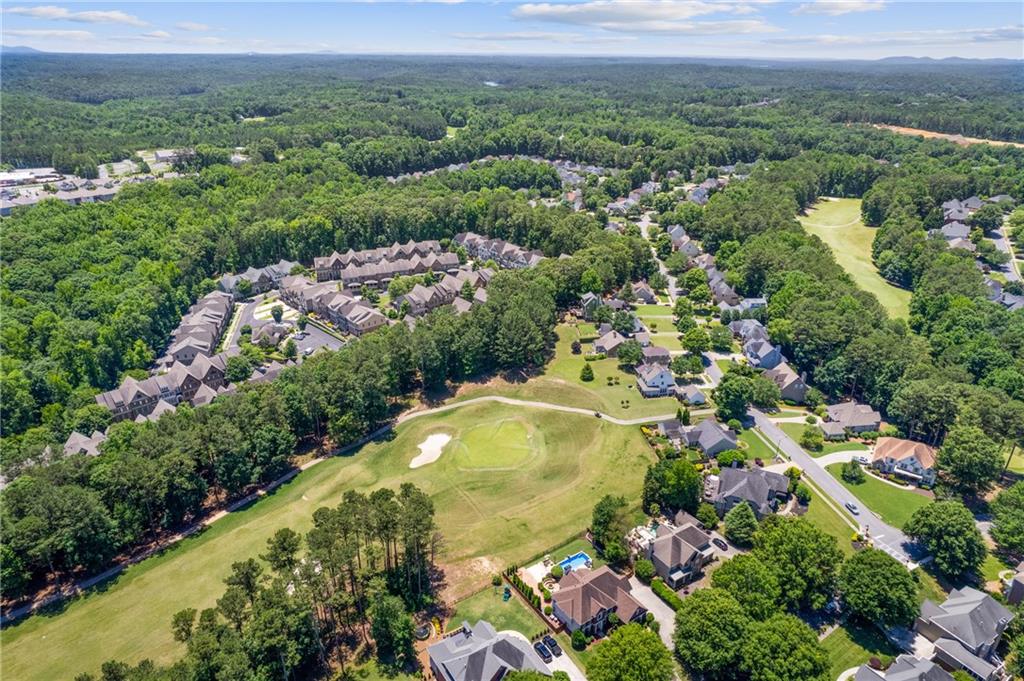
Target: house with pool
x=586, y=599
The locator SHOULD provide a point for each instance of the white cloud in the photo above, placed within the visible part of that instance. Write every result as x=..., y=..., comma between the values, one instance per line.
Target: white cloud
x=49, y=34
x=912, y=38
x=53, y=13
x=836, y=8
x=192, y=26
x=647, y=16
x=549, y=37
x=156, y=35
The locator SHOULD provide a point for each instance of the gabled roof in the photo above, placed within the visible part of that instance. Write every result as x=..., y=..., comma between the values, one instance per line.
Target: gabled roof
x=905, y=668
x=709, y=433
x=970, y=616
x=479, y=653
x=677, y=546
x=757, y=486
x=582, y=594
x=853, y=415
x=899, y=449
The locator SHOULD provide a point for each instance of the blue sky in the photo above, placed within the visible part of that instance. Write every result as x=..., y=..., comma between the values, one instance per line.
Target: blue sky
x=834, y=29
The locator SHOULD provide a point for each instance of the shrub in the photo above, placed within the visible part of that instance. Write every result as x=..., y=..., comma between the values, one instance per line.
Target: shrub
x=644, y=570
x=579, y=640
x=853, y=473
x=666, y=594
x=557, y=572
x=547, y=610
x=707, y=516
x=803, y=494
x=496, y=580
x=586, y=373
x=810, y=420
x=735, y=425
x=729, y=457
x=576, y=347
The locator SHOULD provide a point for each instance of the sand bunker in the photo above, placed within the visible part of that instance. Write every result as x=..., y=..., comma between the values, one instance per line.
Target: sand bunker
x=430, y=449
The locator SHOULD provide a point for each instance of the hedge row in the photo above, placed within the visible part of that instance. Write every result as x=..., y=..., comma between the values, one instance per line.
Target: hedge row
x=531, y=596
x=666, y=594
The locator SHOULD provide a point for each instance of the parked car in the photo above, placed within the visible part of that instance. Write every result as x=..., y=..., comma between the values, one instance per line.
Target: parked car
x=308, y=351
x=852, y=508
x=552, y=645
x=860, y=458
x=720, y=544
x=543, y=651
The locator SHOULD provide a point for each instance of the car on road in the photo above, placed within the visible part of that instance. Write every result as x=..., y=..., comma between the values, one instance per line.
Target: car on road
x=552, y=645
x=852, y=508
x=860, y=458
x=308, y=351
x=720, y=544
x=543, y=651
x=597, y=414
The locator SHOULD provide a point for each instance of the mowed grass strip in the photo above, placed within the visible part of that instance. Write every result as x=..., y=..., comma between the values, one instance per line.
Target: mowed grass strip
x=826, y=519
x=488, y=519
x=893, y=504
x=837, y=223
x=796, y=430
x=852, y=645
x=490, y=605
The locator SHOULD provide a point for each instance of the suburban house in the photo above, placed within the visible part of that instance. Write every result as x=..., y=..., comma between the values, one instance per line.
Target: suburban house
x=673, y=430
x=589, y=303
x=906, y=458
x=748, y=330
x=757, y=487
x=790, y=383
x=966, y=630
x=645, y=293
x=721, y=292
x=655, y=380
x=585, y=599
x=378, y=266
x=687, y=246
x=643, y=338
x=480, y=653
x=680, y=553
x=691, y=394
x=710, y=437
x=851, y=417
x=763, y=354
x=904, y=668
x=423, y=299
x=609, y=343
x=654, y=354
x=744, y=306
x=77, y=443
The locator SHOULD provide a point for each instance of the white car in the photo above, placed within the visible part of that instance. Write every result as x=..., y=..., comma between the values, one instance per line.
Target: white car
x=860, y=458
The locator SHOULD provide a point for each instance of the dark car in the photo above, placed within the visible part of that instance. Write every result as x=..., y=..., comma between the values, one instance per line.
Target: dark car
x=720, y=544
x=543, y=651
x=597, y=414
x=552, y=644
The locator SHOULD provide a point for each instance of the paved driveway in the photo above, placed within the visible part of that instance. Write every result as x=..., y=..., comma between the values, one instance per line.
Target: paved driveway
x=886, y=537
x=665, y=616
x=565, y=664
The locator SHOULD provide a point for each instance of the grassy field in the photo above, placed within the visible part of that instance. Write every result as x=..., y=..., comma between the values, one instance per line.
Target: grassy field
x=490, y=515
x=488, y=605
x=656, y=310
x=837, y=223
x=756, y=448
x=822, y=516
x=852, y=645
x=928, y=586
x=795, y=430
x=894, y=505
x=560, y=383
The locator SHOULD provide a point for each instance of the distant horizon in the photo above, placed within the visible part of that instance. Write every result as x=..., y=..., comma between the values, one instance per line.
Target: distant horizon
x=772, y=30
x=25, y=50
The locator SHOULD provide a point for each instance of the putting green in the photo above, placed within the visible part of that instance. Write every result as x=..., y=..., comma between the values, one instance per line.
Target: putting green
x=498, y=445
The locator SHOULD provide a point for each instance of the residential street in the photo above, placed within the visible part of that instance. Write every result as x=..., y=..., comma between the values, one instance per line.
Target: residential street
x=886, y=537
x=644, y=223
x=1002, y=242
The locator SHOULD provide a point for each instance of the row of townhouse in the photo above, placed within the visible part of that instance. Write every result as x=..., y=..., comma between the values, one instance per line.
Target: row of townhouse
x=378, y=275
x=506, y=254
x=200, y=330
x=330, y=267
x=197, y=383
x=423, y=299
x=260, y=279
x=325, y=300
x=721, y=292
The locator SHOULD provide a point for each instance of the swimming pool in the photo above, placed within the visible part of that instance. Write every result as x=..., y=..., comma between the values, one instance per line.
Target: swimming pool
x=576, y=561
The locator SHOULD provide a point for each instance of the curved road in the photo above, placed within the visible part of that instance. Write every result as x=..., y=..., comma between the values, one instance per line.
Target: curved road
x=887, y=538
x=85, y=584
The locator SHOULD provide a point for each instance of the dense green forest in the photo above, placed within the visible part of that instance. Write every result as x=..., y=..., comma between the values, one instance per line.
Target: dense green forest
x=90, y=293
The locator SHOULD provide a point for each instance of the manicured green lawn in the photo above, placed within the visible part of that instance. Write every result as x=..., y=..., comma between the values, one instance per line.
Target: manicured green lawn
x=852, y=645
x=645, y=310
x=837, y=223
x=795, y=430
x=560, y=384
x=756, y=448
x=371, y=672
x=893, y=504
x=489, y=519
x=496, y=445
x=489, y=605
x=659, y=324
x=826, y=519
x=1016, y=461
x=928, y=586
x=667, y=337
x=992, y=566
